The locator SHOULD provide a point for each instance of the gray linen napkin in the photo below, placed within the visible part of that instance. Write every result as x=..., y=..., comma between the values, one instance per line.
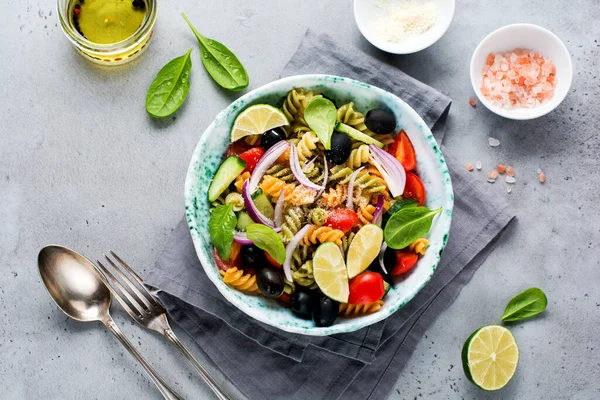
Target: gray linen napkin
x=265, y=363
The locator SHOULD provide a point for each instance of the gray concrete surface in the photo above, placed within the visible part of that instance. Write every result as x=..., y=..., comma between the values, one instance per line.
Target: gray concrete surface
x=83, y=165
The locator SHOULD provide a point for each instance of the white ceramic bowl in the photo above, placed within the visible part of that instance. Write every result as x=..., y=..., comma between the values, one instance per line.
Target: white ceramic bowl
x=366, y=13
x=431, y=168
x=530, y=37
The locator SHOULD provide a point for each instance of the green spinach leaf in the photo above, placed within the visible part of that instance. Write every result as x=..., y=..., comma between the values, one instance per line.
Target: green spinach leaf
x=408, y=225
x=525, y=305
x=321, y=115
x=221, y=226
x=268, y=240
x=220, y=62
x=169, y=89
x=398, y=204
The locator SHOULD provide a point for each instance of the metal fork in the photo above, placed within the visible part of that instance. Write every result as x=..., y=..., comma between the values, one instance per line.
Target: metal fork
x=147, y=310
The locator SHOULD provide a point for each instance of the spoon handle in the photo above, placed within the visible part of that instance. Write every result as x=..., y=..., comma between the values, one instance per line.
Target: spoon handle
x=164, y=389
x=221, y=395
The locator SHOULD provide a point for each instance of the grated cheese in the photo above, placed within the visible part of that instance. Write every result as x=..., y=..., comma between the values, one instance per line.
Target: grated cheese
x=403, y=19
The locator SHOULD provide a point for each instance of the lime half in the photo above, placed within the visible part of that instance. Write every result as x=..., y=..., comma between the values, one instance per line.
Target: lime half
x=330, y=272
x=364, y=248
x=490, y=356
x=257, y=119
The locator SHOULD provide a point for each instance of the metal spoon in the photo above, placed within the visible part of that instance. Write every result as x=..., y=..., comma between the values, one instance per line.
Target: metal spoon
x=79, y=290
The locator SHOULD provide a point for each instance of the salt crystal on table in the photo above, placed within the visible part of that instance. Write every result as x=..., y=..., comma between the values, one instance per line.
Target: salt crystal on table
x=493, y=142
x=510, y=179
x=508, y=189
x=539, y=171
x=478, y=165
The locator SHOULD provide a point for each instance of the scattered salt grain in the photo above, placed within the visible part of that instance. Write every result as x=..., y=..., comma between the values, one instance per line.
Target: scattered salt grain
x=508, y=189
x=539, y=171
x=491, y=180
x=510, y=171
x=501, y=168
x=542, y=177
x=510, y=179
x=519, y=79
x=478, y=165
x=469, y=167
x=493, y=174
x=493, y=142
x=472, y=102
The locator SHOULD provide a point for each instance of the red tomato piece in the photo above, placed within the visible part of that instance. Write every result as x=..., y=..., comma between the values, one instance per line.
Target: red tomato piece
x=414, y=188
x=341, y=218
x=272, y=261
x=405, y=261
x=284, y=297
x=234, y=257
x=252, y=157
x=366, y=288
x=403, y=150
x=238, y=147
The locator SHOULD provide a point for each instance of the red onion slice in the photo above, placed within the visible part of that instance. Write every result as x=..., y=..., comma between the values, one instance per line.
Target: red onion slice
x=325, y=178
x=298, y=173
x=265, y=163
x=392, y=171
x=381, y=256
x=253, y=211
x=378, y=214
x=350, y=196
x=241, y=238
x=289, y=251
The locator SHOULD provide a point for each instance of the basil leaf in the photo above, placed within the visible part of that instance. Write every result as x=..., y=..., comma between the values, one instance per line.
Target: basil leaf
x=525, y=305
x=220, y=62
x=221, y=226
x=321, y=115
x=169, y=89
x=408, y=225
x=268, y=240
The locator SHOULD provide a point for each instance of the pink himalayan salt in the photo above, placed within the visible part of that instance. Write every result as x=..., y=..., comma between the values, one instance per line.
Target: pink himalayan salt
x=521, y=78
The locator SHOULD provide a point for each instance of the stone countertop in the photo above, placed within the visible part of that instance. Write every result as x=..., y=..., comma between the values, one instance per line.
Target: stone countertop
x=83, y=165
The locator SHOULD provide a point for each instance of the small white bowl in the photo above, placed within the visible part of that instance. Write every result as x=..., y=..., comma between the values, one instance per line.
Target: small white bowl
x=366, y=13
x=530, y=37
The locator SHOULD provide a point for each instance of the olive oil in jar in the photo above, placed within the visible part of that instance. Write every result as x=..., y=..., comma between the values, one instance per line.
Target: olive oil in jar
x=108, y=21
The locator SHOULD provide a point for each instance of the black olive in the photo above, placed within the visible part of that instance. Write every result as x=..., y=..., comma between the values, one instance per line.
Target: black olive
x=326, y=311
x=270, y=281
x=379, y=120
x=253, y=256
x=302, y=302
x=389, y=261
x=271, y=137
x=341, y=146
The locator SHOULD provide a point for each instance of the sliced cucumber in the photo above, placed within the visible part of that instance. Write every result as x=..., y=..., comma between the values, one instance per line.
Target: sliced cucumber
x=243, y=221
x=357, y=135
x=227, y=172
x=263, y=204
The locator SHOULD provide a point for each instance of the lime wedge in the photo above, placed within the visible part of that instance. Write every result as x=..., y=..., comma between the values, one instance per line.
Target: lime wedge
x=330, y=272
x=364, y=248
x=257, y=119
x=490, y=356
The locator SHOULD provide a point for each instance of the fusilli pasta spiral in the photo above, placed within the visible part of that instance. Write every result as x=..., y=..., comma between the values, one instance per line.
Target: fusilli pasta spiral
x=340, y=174
x=253, y=140
x=334, y=197
x=304, y=275
x=365, y=214
x=419, y=246
x=358, y=156
x=317, y=216
x=292, y=222
x=349, y=310
x=323, y=234
x=370, y=183
x=239, y=181
x=347, y=240
x=306, y=145
x=236, y=200
x=273, y=187
x=281, y=172
x=238, y=280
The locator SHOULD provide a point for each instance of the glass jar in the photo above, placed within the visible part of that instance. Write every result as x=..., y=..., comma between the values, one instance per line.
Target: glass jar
x=111, y=53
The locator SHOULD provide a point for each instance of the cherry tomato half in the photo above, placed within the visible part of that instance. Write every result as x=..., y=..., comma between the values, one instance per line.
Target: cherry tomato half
x=366, y=288
x=405, y=261
x=252, y=157
x=414, y=188
x=403, y=150
x=234, y=257
x=341, y=218
x=237, y=148
x=272, y=261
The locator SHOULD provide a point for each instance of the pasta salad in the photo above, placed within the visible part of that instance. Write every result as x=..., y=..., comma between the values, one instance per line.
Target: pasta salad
x=318, y=206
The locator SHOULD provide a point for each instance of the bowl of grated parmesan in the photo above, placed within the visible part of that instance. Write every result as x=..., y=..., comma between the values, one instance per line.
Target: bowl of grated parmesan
x=403, y=26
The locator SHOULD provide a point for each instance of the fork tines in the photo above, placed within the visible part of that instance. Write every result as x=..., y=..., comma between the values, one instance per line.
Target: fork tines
x=133, y=296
